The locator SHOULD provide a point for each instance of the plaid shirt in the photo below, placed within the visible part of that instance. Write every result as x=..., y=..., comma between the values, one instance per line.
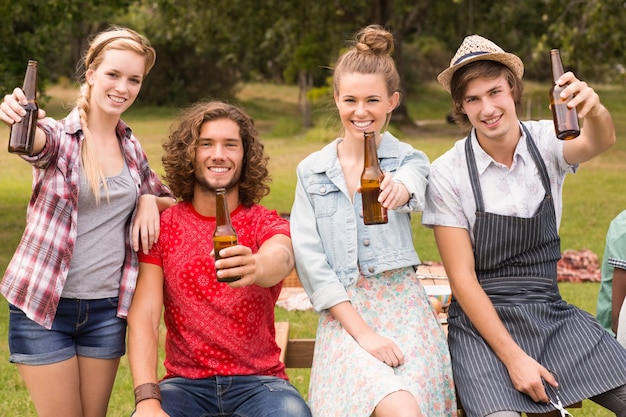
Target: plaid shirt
x=35, y=277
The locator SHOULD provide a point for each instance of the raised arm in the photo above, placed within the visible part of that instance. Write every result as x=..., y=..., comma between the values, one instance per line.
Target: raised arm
x=144, y=319
x=456, y=252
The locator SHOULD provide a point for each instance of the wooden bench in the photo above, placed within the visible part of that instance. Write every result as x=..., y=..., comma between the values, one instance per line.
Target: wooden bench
x=298, y=353
x=295, y=353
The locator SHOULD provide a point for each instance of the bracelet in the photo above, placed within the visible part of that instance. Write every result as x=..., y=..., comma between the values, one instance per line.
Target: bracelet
x=147, y=391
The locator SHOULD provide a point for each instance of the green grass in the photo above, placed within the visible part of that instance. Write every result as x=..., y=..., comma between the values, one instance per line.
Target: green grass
x=592, y=198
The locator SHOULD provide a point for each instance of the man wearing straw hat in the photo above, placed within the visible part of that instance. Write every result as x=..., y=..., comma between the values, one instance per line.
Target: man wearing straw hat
x=494, y=201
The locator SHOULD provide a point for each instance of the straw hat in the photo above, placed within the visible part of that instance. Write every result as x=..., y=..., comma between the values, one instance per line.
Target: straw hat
x=476, y=48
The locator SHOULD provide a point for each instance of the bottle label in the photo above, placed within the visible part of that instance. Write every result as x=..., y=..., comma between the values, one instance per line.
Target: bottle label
x=219, y=243
x=373, y=211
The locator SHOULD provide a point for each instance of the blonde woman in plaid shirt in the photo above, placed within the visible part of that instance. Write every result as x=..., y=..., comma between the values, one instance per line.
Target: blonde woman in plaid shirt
x=95, y=201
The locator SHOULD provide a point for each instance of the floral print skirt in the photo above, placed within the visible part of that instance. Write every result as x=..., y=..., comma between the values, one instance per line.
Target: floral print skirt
x=346, y=381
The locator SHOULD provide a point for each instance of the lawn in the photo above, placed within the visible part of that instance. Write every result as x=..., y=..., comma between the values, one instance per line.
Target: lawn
x=592, y=197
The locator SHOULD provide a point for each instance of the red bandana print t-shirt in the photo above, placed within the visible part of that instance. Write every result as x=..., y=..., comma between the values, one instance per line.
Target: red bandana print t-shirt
x=213, y=329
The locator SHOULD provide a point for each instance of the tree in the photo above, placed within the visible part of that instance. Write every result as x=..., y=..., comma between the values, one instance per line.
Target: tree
x=207, y=48
x=51, y=31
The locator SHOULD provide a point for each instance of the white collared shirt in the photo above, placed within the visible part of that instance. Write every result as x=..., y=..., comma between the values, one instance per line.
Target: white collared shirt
x=515, y=191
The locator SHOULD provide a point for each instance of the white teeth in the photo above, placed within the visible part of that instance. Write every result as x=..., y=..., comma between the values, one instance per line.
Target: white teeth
x=491, y=121
x=361, y=124
x=214, y=169
x=117, y=99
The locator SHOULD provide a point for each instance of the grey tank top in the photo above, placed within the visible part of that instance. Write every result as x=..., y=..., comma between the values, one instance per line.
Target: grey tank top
x=96, y=266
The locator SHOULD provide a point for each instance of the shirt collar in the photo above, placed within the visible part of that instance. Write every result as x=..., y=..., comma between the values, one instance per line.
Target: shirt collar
x=388, y=148
x=484, y=161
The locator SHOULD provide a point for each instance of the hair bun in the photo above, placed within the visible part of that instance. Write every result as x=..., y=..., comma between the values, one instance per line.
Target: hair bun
x=374, y=39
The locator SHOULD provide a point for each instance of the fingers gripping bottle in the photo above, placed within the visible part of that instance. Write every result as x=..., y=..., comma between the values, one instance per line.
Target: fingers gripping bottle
x=565, y=119
x=23, y=133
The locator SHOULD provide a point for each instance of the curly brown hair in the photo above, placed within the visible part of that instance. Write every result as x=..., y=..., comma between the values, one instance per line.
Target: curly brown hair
x=180, y=151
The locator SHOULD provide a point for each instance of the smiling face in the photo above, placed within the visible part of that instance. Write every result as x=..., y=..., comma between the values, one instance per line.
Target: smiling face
x=490, y=108
x=364, y=103
x=219, y=156
x=116, y=82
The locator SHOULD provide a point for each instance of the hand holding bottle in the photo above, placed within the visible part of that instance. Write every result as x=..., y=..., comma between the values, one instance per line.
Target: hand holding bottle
x=564, y=115
x=12, y=107
x=586, y=101
x=236, y=266
x=392, y=193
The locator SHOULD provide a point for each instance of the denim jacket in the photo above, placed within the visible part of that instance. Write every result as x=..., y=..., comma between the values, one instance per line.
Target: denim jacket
x=331, y=243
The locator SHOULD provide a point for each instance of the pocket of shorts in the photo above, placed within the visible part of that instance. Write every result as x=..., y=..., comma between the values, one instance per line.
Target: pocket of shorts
x=279, y=386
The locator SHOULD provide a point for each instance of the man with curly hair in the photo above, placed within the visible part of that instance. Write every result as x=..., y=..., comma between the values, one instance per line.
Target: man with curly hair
x=221, y=357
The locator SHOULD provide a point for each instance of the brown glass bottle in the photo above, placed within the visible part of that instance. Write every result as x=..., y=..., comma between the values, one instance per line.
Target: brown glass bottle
x=565, y=118
x=371, y=177
x=225, y=234
x=22, y=137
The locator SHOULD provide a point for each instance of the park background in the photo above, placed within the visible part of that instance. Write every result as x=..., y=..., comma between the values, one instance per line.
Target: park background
x=274, y=59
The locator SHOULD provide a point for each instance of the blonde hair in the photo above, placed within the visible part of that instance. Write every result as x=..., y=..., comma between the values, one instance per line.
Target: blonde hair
x=114, y=38
x=370, y=53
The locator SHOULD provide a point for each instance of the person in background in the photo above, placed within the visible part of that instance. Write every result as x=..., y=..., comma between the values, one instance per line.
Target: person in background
x=221, y=356
x=613, y=285
x=494, y=201
x=379, y=349
x=95, y=201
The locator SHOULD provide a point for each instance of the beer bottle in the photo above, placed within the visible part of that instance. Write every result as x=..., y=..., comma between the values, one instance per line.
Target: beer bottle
x=565, y=118
x=371, y=177
x=23, y=133
x=224, y=235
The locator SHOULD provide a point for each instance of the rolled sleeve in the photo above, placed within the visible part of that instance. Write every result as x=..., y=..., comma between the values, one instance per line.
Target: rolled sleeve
x=329, y=296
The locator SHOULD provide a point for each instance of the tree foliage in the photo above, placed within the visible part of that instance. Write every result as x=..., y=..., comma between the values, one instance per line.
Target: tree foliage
x=206, y=48
x=53, y=32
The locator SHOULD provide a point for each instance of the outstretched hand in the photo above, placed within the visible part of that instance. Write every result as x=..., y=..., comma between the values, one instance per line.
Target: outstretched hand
x=585, y=99
x=12, y=110
x=392, y=193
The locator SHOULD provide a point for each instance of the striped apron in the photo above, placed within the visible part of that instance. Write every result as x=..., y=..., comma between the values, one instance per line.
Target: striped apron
x=515, y=261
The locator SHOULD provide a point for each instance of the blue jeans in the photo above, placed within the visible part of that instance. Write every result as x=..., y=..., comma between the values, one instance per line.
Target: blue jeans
x=87, y=328
x=232, y=396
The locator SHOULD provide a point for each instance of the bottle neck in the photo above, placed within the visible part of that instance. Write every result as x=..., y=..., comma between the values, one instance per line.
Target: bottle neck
x=222, y=216
x=371, y=156
x=30, y=81
x=557, y=65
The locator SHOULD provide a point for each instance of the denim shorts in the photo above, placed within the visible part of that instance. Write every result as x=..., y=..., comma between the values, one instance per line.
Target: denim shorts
x=88, y=328
x=240, y=395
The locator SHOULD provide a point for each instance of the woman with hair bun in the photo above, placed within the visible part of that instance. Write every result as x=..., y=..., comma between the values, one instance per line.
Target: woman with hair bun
x=95, y=202
x=379, y=350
